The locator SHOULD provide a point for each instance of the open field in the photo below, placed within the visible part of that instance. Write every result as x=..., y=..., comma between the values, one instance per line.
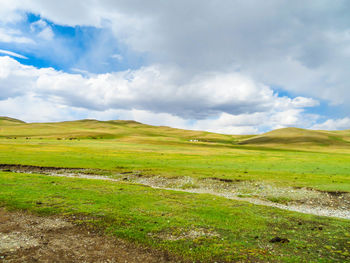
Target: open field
x=198, y=227
x=288, y=166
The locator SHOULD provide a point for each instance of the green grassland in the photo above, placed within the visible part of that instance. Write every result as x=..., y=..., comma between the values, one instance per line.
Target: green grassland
x=131, y=146
x=236, y=230
x=162, y=219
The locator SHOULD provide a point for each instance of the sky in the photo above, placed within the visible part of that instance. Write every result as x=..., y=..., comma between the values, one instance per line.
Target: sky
x=229, y=66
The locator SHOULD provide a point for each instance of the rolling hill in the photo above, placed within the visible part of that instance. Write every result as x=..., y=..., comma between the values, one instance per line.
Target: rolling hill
x=297, y=136
x=115, y=129
x=9, y=121
x=123, y=130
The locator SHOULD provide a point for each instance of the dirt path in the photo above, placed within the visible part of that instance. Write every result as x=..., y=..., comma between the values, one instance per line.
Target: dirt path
x=29, y=238
x=316, y=203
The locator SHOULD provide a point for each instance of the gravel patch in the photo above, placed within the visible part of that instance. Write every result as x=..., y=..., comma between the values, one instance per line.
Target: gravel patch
x=303, y=200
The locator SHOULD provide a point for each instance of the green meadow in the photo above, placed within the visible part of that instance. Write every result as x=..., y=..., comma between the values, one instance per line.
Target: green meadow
x=193, y=227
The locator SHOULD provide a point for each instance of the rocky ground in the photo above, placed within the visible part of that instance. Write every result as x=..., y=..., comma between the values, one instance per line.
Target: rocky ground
x=303, y=200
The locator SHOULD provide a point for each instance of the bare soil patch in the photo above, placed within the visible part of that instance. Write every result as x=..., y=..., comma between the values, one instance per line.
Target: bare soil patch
x=29, y=238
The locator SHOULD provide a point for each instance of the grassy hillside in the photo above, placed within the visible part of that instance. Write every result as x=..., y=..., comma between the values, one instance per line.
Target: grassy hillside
x=297, y=136
x=9, y=121
x=294, y=138
x=121, y=130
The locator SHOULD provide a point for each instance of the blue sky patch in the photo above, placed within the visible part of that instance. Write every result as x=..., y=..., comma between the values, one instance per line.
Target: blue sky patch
x=85, y=48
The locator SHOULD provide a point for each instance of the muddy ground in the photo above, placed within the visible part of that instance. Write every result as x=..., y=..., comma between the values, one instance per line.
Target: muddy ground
x=29, y=238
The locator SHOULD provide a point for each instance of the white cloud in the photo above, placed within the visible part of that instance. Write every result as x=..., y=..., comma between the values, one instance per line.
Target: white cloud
x=117, y=57
x=34, y=109
x=12, y=54
x=38, y=25
x=9, y=11
x=14, y=36
x=228, y=55
x=152, y=88
x=302, y=102
x=80, y=71
x=303, y=51
x=220, y=102
x=333, y=124
x=42, y=29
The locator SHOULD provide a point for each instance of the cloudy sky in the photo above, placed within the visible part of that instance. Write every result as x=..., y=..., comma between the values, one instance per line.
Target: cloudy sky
x=229, y=66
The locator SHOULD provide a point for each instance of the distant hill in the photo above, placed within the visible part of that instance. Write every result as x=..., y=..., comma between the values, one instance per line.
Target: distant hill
x=132, y=131
x=299, y=136
x=8, y=121
x=115, y=129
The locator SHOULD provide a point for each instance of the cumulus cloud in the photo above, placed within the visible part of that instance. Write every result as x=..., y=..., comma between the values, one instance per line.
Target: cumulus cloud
x=231, y=99
x=333, y=124
x=301, y=46
x=214, y=62
x=151, y=88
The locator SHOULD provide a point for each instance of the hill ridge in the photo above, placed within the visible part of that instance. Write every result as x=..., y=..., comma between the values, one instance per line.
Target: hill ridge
x=294, y=135
x=9, y=119
x=130, y=130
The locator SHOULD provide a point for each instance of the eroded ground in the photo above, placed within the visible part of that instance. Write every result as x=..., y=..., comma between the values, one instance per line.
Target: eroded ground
x=29, y=238
x=303, y=200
